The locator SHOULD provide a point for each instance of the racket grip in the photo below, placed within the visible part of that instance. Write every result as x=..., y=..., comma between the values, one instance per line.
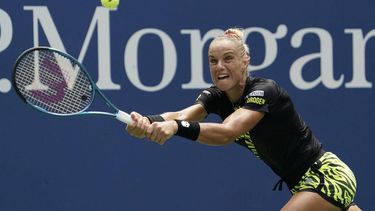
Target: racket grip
x=124, y=117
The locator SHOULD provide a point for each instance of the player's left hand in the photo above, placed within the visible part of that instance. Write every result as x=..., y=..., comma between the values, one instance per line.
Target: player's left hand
x=160, y=132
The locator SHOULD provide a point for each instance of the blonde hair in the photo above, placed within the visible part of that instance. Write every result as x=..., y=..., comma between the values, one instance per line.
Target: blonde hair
x=237, y=36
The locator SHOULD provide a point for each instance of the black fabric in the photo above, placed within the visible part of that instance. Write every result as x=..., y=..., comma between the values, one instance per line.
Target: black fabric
x=188, y=129
x=281, y=139
x=155, y=118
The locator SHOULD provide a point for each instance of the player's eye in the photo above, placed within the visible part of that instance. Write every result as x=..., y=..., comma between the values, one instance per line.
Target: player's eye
x=213, y=61
x=228, y=58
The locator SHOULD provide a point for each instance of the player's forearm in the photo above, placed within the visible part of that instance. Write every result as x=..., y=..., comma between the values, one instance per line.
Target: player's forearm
x=182, y=115
x=171, y=115
x=215, y=134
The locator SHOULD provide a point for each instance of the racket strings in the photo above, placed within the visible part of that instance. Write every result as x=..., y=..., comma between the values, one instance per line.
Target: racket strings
x=43, y=78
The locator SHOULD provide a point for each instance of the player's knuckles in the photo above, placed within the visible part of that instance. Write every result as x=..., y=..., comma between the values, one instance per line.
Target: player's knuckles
x=151, y=135
x=160, y=129
x=130, y=127
x=162, y=141
x=139, y=124
x=149, y=130
x=145, y=121
x=145, y=127
x=132, y=132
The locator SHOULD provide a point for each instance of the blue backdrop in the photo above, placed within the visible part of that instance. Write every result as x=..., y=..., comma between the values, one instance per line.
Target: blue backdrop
x=150, y=56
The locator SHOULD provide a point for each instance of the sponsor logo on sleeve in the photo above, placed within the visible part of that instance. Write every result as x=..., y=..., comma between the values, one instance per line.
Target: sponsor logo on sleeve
x=256, y=97
x=259, y=93
x=206, y=92
x=256, y=100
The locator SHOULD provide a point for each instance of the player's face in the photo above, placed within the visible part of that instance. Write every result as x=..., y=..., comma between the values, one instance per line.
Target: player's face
x=227, y=65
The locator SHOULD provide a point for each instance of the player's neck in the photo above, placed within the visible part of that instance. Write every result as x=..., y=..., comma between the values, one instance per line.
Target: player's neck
x=235, y=94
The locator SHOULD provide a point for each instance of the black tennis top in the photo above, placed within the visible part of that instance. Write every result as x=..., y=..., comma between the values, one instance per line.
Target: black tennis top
x=281, y=138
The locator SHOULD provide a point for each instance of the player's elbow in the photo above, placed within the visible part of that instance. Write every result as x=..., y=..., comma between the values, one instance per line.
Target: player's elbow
x=226, y=140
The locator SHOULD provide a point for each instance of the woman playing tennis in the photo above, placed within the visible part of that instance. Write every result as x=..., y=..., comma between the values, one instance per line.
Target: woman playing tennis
x=258, y=114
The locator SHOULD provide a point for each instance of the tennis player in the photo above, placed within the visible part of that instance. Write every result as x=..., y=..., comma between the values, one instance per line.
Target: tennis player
x=258, y=114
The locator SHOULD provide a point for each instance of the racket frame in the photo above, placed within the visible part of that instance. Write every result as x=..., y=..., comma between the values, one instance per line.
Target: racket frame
x=118, y=114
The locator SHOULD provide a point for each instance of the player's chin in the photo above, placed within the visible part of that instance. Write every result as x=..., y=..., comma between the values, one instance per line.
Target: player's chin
x=223, y=84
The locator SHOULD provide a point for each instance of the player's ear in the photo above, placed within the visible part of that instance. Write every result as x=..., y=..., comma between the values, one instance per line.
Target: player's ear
x=246, y=62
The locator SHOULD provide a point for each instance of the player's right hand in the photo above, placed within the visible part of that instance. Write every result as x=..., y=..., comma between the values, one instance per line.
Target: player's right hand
x=139, y=126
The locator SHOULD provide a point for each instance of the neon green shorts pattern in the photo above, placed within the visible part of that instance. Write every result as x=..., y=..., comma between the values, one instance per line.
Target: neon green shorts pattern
x=331, y=178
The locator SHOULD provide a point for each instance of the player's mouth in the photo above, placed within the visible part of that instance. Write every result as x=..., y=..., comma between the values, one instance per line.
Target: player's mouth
x=222, y=77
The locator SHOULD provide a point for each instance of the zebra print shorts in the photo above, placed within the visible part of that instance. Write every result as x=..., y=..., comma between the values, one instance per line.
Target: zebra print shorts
x=330, y=178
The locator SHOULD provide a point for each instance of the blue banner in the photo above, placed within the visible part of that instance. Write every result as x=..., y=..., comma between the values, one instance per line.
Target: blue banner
x=151, y=57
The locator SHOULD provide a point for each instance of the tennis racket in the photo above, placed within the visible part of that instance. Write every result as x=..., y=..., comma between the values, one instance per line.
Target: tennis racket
x=56, y=83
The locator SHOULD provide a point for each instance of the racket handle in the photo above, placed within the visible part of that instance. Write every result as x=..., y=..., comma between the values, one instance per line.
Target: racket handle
x=124, y=117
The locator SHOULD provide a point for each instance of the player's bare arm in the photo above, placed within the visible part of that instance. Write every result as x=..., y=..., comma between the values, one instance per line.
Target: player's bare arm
x=238, y=123
x=192, y=113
